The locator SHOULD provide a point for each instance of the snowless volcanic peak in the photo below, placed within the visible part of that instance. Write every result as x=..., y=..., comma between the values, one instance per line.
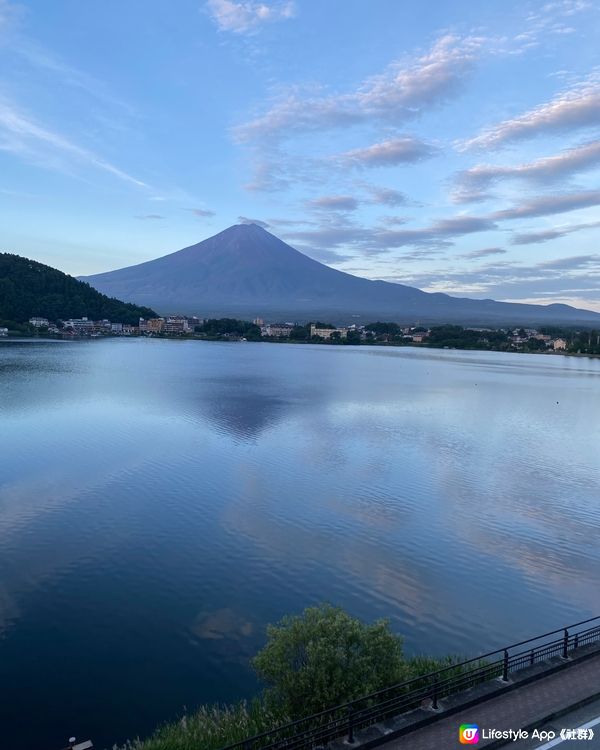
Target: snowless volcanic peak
x=246, y=271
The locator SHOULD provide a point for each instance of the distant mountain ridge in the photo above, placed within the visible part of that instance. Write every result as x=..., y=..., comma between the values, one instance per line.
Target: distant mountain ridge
x=246, y=271
x=29, y=288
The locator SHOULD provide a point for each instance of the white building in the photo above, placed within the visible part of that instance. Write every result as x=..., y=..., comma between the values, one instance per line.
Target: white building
x=3, y=332
x=326, y=333
x=176, y=324
x=39, y=322
x=277, y=329
x=560, y=344
x=79, y=325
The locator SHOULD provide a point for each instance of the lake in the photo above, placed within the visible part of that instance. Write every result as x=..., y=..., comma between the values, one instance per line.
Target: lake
x=162, y=501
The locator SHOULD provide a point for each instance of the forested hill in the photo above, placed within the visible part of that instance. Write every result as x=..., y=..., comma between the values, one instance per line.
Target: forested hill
x=28, y=288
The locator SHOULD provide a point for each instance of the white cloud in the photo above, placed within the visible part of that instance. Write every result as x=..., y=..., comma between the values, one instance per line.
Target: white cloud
x=484, y=253
x=545, y=235
x=390, y=153
x=201, y=213
x=337, y=231
x=572, y=279
x=577, y=108
x=258, y=222
x=23, y=137
x=245, y=17
x=401, y=92
x=334, y=203
x=384, y=196
x=473, y=182
x=547, y=205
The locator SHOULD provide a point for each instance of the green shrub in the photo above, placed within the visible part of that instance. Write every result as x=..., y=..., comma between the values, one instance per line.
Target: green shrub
x=311, y=662
x=324, y=657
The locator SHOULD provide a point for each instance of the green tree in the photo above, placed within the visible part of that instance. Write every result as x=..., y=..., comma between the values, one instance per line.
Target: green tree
x=324, y=657
x=300, y=333
x=379, y=328
x=219, y=327
x=28, y=288
x=536, y=345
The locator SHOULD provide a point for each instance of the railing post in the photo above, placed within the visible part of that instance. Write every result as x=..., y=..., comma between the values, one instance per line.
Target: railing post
x=576, y=642
x=434, y=698
x=565, y=645
x=351, y=724
x=505, y=667
x=532, y=656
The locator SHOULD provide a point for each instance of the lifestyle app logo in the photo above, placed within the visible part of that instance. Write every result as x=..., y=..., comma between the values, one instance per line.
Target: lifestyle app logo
x=468, y=734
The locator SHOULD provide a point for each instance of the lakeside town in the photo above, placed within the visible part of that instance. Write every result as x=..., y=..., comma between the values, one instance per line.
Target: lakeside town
x=545, y=339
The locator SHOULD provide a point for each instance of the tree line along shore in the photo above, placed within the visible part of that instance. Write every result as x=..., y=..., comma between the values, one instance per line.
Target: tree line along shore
x=546, y=339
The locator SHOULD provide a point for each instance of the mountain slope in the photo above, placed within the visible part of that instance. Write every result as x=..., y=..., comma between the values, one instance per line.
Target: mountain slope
x=28, y=288
x=247, y=271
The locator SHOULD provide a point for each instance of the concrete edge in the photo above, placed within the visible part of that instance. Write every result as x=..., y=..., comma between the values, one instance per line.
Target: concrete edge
x=420, y=723
x=495, y=744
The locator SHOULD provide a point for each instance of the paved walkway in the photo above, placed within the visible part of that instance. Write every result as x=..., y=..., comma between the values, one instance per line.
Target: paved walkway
x=587, y=716
x=512, y=710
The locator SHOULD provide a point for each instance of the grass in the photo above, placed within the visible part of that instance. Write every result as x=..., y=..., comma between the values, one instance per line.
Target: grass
x=214, y=727
x=211, y=728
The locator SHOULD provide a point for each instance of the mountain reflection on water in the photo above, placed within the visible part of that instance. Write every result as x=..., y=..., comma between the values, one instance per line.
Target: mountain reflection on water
x=162, y=501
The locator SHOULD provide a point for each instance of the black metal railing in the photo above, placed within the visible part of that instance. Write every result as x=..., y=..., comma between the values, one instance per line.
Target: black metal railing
x=312, y=732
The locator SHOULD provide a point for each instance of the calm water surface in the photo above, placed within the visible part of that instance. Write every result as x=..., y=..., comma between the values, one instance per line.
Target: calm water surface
x=161, y=501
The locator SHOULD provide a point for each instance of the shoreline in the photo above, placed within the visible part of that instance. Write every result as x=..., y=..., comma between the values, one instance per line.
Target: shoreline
x=265, y=340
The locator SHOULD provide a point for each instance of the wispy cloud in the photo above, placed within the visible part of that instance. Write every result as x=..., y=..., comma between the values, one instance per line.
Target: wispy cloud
x=146, y=217
x=334, y=203
x=384, y=196
x=548, y=205
x=401, y=92
x=202, y=213
x=330, y=257
x=484, y=253
x=292, y=222
x=573, y=278
x=337, y=231
x=576, y=108
x=473, y=183
x=8, y=13
x=390, y=153
x=42, y=60
x=437, y=232
x=48, y=63
x=247, y=16
x=258, y=222
x=553, y=18
x=372, y=241
x=570, y=263
x=392, y=221
x=545, y=235
x=23, y=137
x=333, y=236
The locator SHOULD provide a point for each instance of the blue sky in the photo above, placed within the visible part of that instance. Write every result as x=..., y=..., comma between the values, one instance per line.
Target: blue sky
x=453, y=146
